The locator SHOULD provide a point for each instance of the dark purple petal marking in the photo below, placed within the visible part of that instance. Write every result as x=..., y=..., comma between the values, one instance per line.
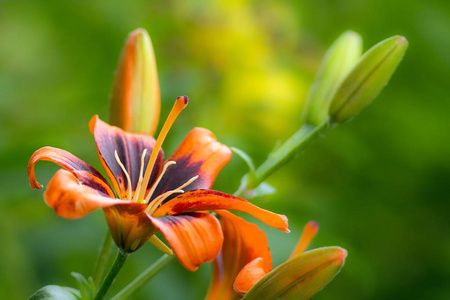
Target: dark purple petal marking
x=129, y=147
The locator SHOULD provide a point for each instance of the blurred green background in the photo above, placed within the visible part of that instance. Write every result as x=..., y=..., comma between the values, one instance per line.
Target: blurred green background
x=378, y=186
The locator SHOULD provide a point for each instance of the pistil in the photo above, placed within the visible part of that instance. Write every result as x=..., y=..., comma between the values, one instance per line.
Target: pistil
x=179, y=105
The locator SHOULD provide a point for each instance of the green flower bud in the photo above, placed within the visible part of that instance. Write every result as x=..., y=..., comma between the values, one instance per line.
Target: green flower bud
x=367, y=79
x=338, y=61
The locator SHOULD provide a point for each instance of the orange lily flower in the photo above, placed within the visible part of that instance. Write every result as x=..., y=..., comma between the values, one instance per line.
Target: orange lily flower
x=245, y=260
x=147, y=195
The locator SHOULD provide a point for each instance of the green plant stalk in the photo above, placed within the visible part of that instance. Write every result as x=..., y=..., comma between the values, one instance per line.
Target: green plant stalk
x=115, y=268
x=102, y=258
x=286, y=152
x=145, y=277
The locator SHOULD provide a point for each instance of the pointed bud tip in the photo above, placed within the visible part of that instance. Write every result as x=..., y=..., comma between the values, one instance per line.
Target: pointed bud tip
x=138, y=32
x=401, y=40
x=351, y=33
x=342, y=255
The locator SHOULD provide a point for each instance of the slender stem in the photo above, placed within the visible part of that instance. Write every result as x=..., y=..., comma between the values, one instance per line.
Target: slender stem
x=102, y=258
x=115, y=268
x=142, y=279
x=286, y=152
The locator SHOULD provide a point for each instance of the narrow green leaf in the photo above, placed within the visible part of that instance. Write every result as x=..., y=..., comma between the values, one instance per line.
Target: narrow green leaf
x=338, y=61
x=300, y=277
x=85, y=286
x=135, y=99
x=245, y=157
x=55, y=292
x=367, y=78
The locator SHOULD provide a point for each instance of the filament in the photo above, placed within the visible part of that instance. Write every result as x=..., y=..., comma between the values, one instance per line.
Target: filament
x=152, y=190
x=126, y=174
x=141, y=171
x=159, y=200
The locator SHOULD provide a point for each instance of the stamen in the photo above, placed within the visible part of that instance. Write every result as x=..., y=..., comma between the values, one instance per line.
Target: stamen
x=179, y=105
x=139, y=184
x=160, y=199
x=152, y=190
x=160, y=245
x=126, y=174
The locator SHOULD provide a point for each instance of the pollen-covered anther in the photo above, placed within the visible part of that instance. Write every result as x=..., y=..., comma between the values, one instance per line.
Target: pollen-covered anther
x=151, y=208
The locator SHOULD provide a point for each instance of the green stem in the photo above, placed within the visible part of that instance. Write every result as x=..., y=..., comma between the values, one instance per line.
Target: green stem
x=103, y=256
x=115, y=268
x=286, y=152
x=142, y=279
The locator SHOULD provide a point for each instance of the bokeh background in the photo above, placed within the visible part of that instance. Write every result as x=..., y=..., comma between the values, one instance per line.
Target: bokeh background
x=378, y=186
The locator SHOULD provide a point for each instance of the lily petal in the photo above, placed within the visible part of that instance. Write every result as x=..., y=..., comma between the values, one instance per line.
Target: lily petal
x=250, y=275
x=194, y=238
x=129, y=147
x=212, y=200
x=243, y=242
x=73, y=200
x=80, y=169
x=199, y=154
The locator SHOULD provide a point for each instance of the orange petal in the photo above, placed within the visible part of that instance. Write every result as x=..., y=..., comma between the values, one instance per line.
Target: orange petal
x=129, y=225
x=212, y=200
x=199, y=154
x=309, y=232
x=194, y=238
x=73, y=200
x=243, y=242
x=250, y=275
x=81, y=170
x=129, y=147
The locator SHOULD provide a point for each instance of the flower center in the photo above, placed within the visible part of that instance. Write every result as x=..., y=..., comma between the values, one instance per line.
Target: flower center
x=139, y=194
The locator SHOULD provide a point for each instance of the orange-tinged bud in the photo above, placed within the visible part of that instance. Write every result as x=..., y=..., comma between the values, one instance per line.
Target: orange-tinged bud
x=300, y=277
x=135, y=98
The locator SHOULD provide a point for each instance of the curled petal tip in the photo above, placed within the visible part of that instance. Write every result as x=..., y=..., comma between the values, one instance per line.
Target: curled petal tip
x=286, y=228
